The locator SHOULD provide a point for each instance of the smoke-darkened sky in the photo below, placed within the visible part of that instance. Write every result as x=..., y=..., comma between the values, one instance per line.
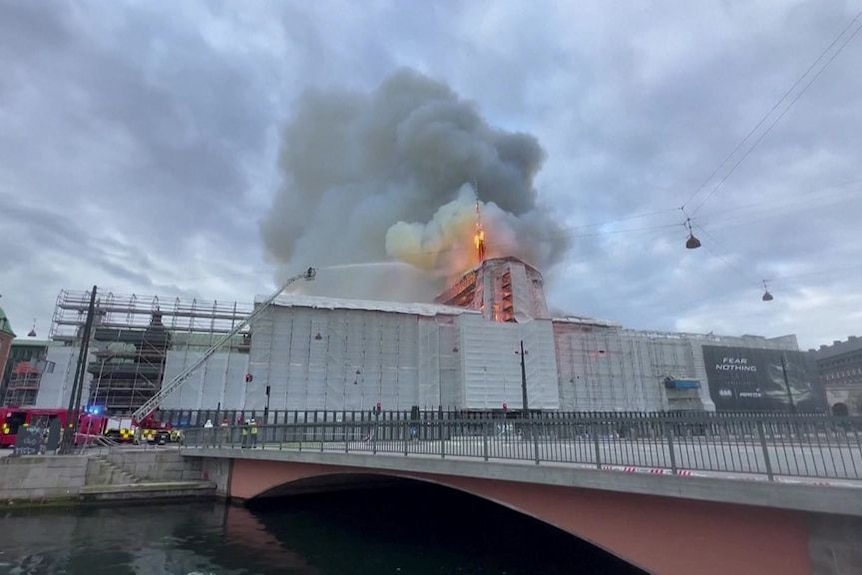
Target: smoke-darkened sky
x=203, y=149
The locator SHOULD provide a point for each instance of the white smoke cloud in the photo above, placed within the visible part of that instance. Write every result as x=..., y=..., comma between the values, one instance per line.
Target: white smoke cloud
x=372, y=177
x=446, y=246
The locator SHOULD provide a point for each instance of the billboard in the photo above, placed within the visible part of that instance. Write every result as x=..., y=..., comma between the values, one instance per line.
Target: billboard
x=748, y=379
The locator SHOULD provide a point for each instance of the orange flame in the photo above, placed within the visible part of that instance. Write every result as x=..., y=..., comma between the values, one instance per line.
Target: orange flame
x=479, y=237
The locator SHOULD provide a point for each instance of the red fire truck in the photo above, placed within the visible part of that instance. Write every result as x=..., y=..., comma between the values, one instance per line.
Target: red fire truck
x=12, y=418
x=91, y=425
x=125, y=429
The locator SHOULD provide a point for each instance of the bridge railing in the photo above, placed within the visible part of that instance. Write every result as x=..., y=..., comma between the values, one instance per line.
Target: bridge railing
x=771, y=446
x=188, y=418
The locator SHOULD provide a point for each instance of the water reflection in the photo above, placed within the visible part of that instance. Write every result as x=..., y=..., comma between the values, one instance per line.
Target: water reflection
x=413, y=530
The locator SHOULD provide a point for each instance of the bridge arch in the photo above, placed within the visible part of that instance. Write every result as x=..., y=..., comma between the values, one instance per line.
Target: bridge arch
x=657, y=534
x=329, y=480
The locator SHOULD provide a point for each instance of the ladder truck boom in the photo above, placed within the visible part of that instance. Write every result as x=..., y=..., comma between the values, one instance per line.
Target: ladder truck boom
x=156, y=400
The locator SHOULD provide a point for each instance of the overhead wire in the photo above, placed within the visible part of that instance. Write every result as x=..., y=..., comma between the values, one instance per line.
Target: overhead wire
x=564, y=232
x=727, y=262
x=820, y=273
x=780, y=211
x=753, y=130
x=811, y=196
x=771, y=280
x=565, y=235
x=822, y=197
x=783, y=112
x=567, y=231
x=623, y=219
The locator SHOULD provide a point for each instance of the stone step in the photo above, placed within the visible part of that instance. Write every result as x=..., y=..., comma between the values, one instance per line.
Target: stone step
x=127, y=478
x=149, y=490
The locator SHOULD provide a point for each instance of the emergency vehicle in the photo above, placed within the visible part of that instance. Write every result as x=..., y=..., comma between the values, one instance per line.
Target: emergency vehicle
x=10, y=420
x=13, y=418
x=124, y=429
x=91, y=425
x=142, y=424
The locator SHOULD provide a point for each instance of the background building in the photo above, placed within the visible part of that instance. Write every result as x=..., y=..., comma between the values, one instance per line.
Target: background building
x=840, y=373
x=137, y=341
x=6, y=337
x=463, y=352
x=28, y=363
x=607, y=368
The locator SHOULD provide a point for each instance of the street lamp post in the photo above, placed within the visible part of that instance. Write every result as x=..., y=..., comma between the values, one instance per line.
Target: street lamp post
x=266, y=409
x=524, y=402
x=73, y=411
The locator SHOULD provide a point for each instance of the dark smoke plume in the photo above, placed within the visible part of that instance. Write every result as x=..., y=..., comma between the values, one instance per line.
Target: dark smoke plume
x=392, y=176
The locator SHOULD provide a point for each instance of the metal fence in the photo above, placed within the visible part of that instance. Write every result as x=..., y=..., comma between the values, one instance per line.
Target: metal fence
x=185, y=418
x=769, y=445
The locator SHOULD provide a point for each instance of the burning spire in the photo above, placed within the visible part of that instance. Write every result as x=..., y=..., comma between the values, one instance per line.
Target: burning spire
x=412, y=189
x=479, y=237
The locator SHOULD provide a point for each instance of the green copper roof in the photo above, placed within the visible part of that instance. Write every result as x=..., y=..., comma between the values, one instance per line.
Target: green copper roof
x=4, y=323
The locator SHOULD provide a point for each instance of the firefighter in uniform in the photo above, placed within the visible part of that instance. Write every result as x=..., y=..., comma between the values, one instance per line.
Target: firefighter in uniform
x=209, y=433
x=253, y=425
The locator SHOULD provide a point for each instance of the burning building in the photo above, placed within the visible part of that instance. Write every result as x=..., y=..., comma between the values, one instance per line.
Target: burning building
x=393, y=176
x=486, y=343
x=463, y=352
x=501, y=289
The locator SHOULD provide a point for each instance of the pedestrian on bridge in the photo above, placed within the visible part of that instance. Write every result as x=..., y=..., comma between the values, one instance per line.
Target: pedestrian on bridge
x=253, y=425
x=225, y=432
x=208, y=433
x=245, y=440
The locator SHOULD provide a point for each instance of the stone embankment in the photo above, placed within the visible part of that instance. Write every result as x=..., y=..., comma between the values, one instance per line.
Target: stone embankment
x=118, y=474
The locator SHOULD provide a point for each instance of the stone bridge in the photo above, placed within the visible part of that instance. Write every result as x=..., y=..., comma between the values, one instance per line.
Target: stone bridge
x=674, y=524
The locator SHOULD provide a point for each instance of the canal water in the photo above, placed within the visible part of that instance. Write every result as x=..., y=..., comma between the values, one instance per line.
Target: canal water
x=412, y=530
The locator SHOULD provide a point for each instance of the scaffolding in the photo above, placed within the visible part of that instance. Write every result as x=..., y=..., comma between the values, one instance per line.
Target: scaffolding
x=133, y=336
x=504, y=290
x=27, y=363
x=23, y=383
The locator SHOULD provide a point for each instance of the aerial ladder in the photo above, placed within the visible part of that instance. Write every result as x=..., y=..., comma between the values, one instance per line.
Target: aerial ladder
x=167, y=389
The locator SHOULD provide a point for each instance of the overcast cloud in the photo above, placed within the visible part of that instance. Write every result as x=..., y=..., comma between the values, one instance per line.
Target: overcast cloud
x=140, y=146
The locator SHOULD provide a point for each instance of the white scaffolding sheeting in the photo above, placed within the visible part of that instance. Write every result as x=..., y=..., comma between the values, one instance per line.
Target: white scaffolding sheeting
x=492, y=366
x=338, y=358
x=56, y=384
x=333, y=354
x=429, y=361
x=522, y=300
x=219, y=382
x=604, y=369
x=537, y=297
x=324, y=303
x=451, y=374
x=541, y=364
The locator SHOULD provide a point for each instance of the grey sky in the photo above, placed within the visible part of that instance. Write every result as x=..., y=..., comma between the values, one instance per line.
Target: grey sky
x=140, y=145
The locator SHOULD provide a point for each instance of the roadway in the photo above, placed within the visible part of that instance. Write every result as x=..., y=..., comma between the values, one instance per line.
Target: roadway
x=698, y=458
